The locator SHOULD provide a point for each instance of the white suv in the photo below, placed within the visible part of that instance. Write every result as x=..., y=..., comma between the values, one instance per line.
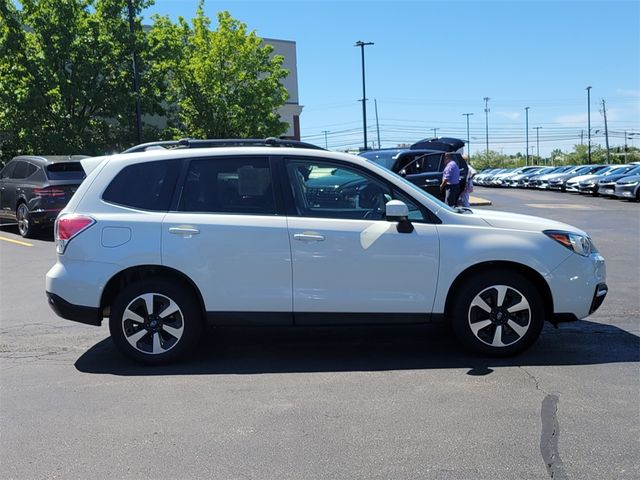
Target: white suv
x=162, y=240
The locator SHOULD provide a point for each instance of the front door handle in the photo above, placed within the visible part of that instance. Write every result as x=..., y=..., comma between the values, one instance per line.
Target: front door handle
x=186, y=231
x=308, y=237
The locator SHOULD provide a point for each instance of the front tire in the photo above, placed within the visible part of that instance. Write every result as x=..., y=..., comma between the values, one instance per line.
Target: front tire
x=498, y=313
x=155, y=322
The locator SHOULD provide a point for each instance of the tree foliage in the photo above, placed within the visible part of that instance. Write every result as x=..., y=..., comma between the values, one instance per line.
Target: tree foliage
x=66, y=77
x=224, y=82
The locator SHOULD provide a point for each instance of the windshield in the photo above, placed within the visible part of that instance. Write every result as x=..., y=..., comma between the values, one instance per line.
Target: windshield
x=386, y=158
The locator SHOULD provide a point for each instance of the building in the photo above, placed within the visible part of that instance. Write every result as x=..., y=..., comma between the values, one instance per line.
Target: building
x=290, y=112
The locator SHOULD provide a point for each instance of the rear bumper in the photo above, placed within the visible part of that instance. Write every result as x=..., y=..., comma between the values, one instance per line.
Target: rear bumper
x=77, y=313
x=44, y=217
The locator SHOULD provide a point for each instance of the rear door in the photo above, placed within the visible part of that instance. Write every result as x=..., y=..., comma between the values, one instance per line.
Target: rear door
x=6, y=185
x=229, y=236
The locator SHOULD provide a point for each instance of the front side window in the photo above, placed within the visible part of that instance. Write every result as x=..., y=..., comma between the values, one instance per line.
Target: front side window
x=331, y=191
x=145, y=186
x=229, y=185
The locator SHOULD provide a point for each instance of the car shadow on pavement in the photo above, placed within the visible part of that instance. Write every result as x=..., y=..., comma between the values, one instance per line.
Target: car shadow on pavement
x=311, y=349
x=45, y=234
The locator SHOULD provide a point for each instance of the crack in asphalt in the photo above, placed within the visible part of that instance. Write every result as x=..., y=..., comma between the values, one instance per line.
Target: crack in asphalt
x=549, y=438
x=550, y=435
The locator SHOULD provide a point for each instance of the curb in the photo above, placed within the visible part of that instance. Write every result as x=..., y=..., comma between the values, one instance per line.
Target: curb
x=478, y=202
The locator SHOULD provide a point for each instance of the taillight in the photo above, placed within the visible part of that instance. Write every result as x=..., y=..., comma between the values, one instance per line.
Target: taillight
x=48, y=192
x=68, y=227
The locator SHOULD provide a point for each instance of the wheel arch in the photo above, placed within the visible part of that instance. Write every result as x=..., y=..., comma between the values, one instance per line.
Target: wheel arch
x=491, y=266
x=140, y=273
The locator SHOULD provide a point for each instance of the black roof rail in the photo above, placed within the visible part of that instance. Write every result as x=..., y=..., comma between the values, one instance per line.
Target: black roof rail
x=222, y=142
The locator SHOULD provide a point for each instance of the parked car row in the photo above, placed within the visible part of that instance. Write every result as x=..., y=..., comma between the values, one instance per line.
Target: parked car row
x=621, y=181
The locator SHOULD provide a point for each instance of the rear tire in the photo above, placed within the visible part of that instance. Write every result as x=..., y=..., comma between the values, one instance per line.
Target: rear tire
x=498, y=313
x=156, y=321
x=26, y=228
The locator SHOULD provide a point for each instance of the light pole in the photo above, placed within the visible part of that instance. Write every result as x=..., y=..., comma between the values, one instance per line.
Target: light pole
x=468, y=138
x=526, y=110
x=362, y=44
x=538, y=143
x=486, y=120
x=588, y=89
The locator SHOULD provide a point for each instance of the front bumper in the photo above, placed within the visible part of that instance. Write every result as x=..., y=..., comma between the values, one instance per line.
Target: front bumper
x=627, y=191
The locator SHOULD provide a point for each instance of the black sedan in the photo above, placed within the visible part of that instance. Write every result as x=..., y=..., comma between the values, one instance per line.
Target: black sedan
x=33, y=189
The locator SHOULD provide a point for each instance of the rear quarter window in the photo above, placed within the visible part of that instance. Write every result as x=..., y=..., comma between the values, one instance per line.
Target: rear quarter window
x=145, y=186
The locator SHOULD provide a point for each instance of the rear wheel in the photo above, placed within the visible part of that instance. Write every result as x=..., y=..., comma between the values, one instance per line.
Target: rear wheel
x=498, y=313
x=155, y=322
x=26, y=228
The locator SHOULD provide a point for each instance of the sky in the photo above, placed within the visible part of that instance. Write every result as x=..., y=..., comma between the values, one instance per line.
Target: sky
x=433, y=61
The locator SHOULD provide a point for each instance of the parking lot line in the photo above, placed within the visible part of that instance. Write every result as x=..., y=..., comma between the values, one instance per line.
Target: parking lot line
x=17, y=242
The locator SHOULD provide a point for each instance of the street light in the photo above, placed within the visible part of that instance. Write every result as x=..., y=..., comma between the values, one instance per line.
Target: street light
x=486, y=120
x=526, y=109
x=362, y=44
x=588, y=89
x=468, y=138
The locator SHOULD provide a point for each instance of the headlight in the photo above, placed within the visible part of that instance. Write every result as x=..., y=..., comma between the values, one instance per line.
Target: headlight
x=580, y=244
x=632, y=184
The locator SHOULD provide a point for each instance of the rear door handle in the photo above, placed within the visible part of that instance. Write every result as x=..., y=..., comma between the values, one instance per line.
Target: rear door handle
x=186, y=231
x=308, y=237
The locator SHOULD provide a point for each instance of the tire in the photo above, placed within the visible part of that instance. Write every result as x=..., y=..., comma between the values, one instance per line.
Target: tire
x=169, y=332
x=26, y=228
x=498, y=313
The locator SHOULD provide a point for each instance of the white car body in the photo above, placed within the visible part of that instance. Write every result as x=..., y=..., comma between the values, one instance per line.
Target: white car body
x=323, y=268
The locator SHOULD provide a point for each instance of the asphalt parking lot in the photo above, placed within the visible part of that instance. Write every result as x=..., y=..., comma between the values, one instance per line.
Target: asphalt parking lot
x=328, y=403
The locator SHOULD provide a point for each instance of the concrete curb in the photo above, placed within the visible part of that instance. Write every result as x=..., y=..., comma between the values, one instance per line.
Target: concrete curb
x=478, y=202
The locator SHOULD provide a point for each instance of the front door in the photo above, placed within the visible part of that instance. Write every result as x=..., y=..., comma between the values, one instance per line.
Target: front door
x=348, y=260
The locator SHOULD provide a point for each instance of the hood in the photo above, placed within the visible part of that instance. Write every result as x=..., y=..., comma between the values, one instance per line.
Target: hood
x=580, y=178
x=628, y=179
x=518, y=221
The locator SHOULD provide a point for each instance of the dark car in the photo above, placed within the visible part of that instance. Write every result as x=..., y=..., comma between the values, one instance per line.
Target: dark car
x=422, y=163
x=606, y=185
x=629, y=188
x=33, y=189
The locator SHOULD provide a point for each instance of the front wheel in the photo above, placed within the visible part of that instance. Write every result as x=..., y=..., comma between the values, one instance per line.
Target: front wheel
x=155, y=322
x=498, y=314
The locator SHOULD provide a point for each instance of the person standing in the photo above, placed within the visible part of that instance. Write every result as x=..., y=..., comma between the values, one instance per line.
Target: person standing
x=463, y=200
x=450, y=180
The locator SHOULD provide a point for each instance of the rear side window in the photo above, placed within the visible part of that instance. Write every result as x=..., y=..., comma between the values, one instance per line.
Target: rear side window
x=229, y=185
x=146, y=186
x=20, y=170
x=65, y=171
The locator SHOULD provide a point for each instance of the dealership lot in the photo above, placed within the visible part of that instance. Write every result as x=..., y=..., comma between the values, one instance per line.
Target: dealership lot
x=328, y=403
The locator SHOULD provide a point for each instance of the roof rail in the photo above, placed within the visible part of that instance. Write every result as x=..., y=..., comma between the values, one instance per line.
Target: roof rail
x=221, y=142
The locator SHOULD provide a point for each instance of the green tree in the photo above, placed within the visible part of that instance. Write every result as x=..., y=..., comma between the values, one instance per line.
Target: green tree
x=65, y=76
x=221, y=83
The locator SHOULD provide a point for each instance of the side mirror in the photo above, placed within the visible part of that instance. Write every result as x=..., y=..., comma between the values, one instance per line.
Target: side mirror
x=397, y=211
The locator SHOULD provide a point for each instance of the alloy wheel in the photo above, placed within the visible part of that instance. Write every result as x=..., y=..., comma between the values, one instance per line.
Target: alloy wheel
x=152, y=323
x=499, y=316
x=22, y=215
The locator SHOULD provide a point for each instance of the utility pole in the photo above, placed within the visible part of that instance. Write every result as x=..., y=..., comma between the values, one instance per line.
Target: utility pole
x=581, y=137
x=486, y=120
x=538, y=143
x=136, y=81
x=606, y=130
x=362, y=44
x=526, y=111
x=625, y=146
x=588, y=89
x=375, y=102
x=326, y=144
x=468, y=138
x=435, y=132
